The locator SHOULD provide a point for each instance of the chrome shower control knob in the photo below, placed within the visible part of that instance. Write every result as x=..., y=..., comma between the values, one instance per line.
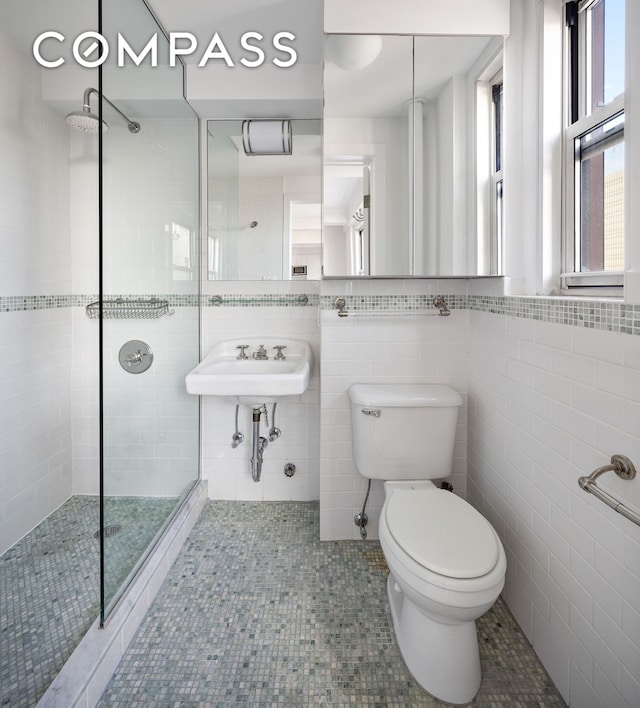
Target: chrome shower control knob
x=135, y=356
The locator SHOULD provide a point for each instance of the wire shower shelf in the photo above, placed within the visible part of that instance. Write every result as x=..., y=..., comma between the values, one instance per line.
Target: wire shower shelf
x=120, y=309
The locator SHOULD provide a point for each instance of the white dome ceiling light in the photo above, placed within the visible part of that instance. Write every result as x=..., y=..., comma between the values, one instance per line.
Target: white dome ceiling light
x=353, y=52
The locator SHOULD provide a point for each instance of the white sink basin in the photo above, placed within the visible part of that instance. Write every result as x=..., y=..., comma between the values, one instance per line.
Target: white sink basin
x=253, y=381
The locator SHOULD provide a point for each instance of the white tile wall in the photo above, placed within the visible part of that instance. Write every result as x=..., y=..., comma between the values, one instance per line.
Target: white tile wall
x=260, y=248
x=382, y=350
x=227, y=470
x=34, y=183
x=547, y=404
x=150, y=183
x=151, y=424
x=35, y=346
x=85, y=403
x=35, y=422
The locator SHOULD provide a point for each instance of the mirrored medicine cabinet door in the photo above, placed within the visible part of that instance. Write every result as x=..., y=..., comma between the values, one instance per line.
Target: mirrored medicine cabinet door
x=411, y=129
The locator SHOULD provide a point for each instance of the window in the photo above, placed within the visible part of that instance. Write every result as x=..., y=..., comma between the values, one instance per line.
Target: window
x=489, y=118
x=497, y=194
x=594, y=144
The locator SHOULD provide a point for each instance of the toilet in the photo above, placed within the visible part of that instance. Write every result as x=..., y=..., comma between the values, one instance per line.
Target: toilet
x=447, y=565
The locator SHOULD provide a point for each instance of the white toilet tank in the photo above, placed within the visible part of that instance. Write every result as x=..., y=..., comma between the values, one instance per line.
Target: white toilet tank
x=404, y=431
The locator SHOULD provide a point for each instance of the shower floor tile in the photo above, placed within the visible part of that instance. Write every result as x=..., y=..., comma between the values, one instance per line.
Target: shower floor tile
x=257, y=611
x=50, y=586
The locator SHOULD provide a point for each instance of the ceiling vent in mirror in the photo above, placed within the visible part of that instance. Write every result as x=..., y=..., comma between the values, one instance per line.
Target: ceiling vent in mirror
x=266, y=137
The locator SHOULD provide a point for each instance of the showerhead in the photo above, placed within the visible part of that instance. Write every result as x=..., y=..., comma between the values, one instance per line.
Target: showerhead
x=86, y=121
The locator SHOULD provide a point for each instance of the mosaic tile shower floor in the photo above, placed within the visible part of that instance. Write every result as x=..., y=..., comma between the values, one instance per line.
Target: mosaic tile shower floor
x=256, y=611
x=50, y=586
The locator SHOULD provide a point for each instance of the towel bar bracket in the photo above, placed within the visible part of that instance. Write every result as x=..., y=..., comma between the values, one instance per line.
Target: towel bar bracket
x=620, y=464
x=625, y=469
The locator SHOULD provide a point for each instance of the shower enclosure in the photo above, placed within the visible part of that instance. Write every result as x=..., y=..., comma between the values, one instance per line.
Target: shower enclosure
x=148, y=297
x=100, y=441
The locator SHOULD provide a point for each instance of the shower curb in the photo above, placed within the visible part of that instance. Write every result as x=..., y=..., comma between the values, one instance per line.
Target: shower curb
x=84, y=677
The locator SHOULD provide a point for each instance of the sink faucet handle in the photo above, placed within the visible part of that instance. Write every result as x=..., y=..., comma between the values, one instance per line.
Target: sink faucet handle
x=280, y=347
x=243, y=351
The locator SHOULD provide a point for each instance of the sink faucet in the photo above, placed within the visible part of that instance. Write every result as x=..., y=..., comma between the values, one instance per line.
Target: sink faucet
x=261, y=353
x=280, y=355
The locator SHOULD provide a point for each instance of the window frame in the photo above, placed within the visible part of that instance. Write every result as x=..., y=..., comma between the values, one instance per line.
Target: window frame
x=496, y=179
x=489, y=204
x=581, y=121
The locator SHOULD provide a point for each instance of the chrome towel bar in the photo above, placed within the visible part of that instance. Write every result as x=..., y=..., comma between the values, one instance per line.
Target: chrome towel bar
x=624, y=468
x=340, y=305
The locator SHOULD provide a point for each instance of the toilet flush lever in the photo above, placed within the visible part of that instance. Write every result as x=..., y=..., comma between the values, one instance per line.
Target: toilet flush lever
x=375, y=412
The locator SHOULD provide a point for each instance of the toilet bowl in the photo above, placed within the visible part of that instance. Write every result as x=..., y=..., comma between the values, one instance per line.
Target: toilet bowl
x=447, y=565
x=447, y=568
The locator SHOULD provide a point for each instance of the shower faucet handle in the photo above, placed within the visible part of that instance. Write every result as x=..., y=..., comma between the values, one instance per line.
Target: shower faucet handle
x=279, y=356
x=243, y=351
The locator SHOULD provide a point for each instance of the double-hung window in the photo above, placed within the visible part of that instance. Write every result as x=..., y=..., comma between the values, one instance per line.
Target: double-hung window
x=594, y=145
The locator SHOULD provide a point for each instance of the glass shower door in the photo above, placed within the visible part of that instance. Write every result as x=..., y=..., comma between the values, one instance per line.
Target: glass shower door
x=149, y=295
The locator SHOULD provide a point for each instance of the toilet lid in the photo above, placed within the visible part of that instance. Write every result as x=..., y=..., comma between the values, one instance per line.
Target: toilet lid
x=442, y=532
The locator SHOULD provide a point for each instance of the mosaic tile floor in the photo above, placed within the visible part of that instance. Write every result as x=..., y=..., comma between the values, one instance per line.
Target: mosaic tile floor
x=257, y=612
x=50, y=586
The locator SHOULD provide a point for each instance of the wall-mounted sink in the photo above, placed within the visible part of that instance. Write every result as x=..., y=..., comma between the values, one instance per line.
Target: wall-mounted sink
x=253, y=380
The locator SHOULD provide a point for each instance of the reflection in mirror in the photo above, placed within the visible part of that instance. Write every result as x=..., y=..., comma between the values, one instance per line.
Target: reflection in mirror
x=264, y=218
x=407, y=164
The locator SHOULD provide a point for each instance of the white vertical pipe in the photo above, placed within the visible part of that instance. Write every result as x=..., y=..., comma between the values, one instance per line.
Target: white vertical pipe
x=418, y=188
x=416, y=185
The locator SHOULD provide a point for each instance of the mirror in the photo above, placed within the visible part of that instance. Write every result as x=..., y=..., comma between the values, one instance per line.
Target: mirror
x=264, y=211
x=409, y=179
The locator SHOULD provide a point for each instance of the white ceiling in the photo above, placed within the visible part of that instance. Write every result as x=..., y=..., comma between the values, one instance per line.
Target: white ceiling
x=354, y=93
x=232, y=18
x=23, y=20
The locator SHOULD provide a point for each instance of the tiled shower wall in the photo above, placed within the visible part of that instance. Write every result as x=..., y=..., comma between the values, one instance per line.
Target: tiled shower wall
x=48, y=272
x=151, y=423
x=548, y=403
x=35, y=343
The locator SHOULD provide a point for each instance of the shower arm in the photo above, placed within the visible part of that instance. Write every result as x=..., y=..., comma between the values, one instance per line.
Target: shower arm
x=133, y=126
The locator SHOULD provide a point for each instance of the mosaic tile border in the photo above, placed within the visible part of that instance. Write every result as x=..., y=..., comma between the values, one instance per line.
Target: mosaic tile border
x=21, y=303
x=595, y=314
x=18, y=303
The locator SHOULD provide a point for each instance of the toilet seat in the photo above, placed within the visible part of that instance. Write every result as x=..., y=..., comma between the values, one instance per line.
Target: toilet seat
x=442, y=532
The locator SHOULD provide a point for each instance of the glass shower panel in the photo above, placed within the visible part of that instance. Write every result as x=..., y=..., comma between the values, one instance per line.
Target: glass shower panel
x=150, y=293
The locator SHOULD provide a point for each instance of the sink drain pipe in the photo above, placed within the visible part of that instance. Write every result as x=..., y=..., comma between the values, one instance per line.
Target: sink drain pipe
x=258, y=445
